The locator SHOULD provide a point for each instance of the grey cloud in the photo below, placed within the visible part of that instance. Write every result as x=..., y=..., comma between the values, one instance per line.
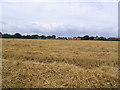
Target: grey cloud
x=60, y=30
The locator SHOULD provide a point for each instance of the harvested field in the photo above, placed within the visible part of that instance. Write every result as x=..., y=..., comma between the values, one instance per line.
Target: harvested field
x=34, y=63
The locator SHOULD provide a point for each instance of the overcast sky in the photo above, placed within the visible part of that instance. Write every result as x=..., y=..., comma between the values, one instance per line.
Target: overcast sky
x=61, y=18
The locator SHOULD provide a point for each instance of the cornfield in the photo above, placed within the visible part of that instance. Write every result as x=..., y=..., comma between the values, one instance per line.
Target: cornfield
x=35, y=63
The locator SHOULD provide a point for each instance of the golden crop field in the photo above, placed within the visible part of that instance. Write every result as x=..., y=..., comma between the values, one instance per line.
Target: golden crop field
x=35, y=63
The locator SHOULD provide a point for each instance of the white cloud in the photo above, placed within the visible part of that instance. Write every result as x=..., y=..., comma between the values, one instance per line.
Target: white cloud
x=61, y=18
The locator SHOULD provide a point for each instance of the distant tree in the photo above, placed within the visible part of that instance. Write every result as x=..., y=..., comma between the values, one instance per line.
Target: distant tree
x=65, y=38
x=102, y=38
x=49, y=37
x=43, y=37
x=34, y=36
x=59, y=37
x=0, y=35
x=53, y=36
x=6, y=36
x=17, y=35
x=86, y=37
x=91, y=38
x=96, y=36
x=79, y=37
x=24, y=37
x=28, y=37
x=62, y=38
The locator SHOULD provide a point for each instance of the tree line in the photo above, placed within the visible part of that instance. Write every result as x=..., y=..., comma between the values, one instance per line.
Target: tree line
x=18, y=35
